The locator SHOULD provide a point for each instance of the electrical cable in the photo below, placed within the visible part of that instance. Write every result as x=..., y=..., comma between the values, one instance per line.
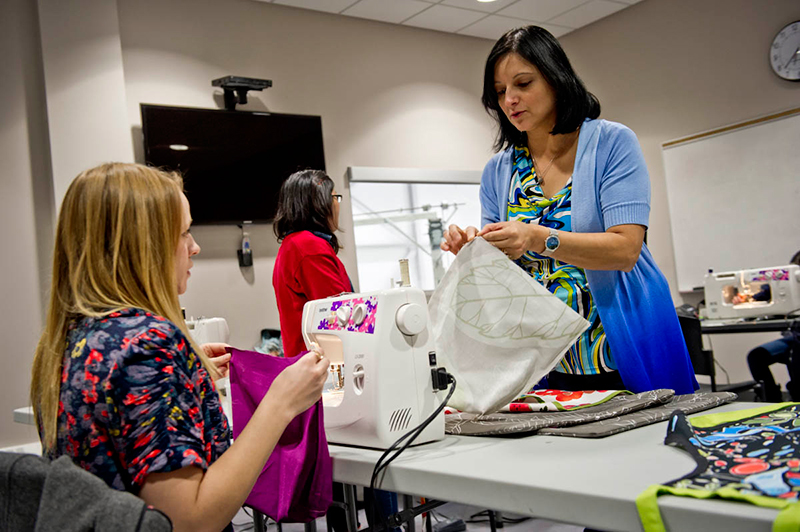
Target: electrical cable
x=716, y=363
x=413, y=433
x=410, y=436
x=485, y=513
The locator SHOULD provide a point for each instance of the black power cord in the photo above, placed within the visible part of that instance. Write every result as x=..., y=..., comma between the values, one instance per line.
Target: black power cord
x=479, y=518
x=408, y=438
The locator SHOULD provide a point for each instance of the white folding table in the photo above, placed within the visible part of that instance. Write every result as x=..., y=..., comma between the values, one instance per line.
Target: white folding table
x=588, y=482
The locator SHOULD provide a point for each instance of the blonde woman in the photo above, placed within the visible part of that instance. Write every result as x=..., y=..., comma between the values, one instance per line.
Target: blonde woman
x=118, y=384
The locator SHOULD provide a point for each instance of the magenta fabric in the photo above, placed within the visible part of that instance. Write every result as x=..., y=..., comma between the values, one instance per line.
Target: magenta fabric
x=295, y=485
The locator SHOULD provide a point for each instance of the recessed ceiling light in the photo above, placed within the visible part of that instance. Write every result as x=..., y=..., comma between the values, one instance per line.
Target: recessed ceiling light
x=486, y=1
x=178, y=147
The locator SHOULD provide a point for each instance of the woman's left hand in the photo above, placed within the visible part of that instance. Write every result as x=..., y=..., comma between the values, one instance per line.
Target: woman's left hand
x=218, y=353
x=514, y=238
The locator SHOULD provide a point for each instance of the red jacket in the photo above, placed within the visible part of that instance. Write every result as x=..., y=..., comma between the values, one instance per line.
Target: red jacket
x=306, y=269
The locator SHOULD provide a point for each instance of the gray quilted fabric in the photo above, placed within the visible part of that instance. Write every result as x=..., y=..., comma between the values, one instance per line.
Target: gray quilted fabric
x=511, y=423
x=688, y=404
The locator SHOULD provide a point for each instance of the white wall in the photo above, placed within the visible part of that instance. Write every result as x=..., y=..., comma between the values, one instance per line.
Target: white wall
x=388, y=96
x=85, y=89
x=25, y=209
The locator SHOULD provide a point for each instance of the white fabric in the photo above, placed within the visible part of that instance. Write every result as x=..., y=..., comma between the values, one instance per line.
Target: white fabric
x=496, y=329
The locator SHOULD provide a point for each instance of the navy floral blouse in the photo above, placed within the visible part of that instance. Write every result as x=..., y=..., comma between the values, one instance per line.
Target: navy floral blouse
x=135, y=399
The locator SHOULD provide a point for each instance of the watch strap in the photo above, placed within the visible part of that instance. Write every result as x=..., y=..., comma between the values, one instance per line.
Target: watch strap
x=550, y=250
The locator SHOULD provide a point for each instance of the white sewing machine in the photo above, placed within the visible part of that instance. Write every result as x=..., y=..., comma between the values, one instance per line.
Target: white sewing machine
x=206, y=330
x=752, y=293
x=381, y=354
x=209, y=330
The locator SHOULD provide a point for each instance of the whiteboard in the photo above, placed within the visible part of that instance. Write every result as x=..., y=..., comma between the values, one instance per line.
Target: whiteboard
x=734, y=197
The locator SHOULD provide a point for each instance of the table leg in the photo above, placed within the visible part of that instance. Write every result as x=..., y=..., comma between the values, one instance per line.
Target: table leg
x=495, y=520
x=408, y=504
x=258, y=521
x=351, y=510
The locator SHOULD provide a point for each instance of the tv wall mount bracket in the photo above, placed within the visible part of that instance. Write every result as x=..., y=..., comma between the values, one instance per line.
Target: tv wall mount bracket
x=236, y=87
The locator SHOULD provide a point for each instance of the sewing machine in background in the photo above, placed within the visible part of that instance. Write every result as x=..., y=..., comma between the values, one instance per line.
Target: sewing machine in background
x=752, y=293
x=209, y=330
x=381, y=354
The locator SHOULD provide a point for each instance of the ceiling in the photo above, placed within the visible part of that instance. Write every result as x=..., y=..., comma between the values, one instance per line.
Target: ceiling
x=488, y=20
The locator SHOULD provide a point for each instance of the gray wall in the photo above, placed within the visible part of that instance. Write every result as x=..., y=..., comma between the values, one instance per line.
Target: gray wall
x=26, y=207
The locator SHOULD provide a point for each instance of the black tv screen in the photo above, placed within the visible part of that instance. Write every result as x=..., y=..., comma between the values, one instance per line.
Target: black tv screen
x=233, y=162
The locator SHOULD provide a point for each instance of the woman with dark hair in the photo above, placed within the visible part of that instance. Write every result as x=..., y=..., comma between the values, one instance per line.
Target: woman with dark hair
x=307, y=267
x=568, y=199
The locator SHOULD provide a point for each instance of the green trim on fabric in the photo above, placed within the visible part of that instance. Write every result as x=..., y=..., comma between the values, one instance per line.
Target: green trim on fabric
x=788, y=519
x=647, y=506
x=712, y=420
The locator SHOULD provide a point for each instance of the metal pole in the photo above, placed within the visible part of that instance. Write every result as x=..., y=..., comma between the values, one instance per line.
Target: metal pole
x=408, y=504
x=258, y=521
x=350, y=511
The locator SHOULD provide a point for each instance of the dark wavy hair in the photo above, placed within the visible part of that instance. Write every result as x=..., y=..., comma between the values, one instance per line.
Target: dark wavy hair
x=305, y=204
x=538, y=46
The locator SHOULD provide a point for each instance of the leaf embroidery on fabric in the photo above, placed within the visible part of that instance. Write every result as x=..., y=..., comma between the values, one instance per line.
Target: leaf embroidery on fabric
x=503, y=315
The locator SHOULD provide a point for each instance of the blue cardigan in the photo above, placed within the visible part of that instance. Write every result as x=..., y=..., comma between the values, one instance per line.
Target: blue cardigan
x=610, y=186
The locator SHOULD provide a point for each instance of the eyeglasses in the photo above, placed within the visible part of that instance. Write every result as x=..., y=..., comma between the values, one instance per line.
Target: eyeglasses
x=338, y=197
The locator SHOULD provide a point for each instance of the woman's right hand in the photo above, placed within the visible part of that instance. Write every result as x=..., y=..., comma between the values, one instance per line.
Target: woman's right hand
x=299, y=386
x=455, y=238
x=197, y=500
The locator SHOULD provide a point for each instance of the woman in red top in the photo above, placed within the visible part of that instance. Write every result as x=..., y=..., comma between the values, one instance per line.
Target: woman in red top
x=307, y=267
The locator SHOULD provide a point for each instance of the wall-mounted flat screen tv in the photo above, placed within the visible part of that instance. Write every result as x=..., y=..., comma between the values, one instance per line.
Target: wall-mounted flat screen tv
x=233, y=162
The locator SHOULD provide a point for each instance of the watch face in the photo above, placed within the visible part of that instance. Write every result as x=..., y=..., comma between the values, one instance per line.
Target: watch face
x=784, y=54
x=551, y=243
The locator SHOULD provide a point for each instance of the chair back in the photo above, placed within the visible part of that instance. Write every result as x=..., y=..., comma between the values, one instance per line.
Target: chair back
x=702, y=360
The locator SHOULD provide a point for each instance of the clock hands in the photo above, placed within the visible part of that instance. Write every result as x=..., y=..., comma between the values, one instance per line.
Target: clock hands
x=793, y=57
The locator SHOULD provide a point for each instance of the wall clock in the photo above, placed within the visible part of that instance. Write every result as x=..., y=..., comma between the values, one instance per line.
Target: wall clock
x=784, y=54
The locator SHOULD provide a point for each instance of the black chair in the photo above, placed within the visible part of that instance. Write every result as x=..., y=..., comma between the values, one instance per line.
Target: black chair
x=703, y=361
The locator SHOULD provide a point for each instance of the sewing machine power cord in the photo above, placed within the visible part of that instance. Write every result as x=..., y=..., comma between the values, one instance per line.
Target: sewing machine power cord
x=408, y=438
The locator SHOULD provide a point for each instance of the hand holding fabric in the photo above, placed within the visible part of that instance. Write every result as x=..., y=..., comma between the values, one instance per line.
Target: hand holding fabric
x=295, y=483
x=455, y=238
x=219, y=354
x=496, y=329
x=514, y=238
x=300, y=385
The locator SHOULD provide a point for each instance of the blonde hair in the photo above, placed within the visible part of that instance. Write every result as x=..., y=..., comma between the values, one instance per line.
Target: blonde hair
x=115, y=244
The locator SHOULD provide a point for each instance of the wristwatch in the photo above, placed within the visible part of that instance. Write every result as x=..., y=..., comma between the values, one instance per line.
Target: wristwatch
x=551, y=243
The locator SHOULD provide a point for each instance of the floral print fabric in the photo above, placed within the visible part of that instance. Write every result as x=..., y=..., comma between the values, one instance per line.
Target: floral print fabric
x=560, y=400
x=757, y=455
x=135, y=399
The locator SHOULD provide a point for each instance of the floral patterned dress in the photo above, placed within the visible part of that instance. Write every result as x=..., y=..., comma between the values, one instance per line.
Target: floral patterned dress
x=527, y=202
x=135, y=399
